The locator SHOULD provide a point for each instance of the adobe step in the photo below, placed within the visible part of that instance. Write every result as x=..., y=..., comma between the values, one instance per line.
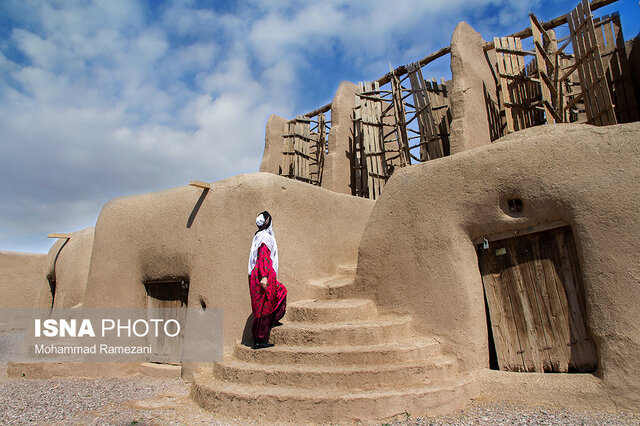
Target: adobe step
x=280, y=403
x=325, y=311
x=376, y=354
x=338, y=287
x=347, y=270
x=362, y=377
x=379, y=330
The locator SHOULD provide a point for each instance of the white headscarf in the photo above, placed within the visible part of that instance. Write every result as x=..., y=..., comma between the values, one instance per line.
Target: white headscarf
x=264, y=236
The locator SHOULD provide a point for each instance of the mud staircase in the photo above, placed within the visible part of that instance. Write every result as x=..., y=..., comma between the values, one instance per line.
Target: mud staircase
x=335, y=359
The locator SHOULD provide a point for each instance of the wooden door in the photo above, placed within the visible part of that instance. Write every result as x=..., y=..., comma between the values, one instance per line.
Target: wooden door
x=167, y=300
x=534, y=292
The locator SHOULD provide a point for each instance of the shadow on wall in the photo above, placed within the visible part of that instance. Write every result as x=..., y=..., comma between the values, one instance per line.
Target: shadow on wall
x=196, y=207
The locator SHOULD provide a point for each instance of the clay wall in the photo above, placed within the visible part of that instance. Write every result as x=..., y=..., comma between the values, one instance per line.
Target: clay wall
x=67, y=270
x=472, y=77
x=273, y=144
x=418, y=255
x=339, y=159
x=22, y=276
x=205, y=237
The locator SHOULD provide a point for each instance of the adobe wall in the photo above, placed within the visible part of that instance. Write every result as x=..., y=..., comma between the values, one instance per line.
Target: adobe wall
x=273, y=143
x=338, y=161
x=471, y=73
x=417, y=254
x=206, y=236
x=22, y=275
x=68, y=266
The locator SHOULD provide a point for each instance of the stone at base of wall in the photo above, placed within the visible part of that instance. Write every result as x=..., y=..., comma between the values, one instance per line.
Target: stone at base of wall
x=165, y=371
x=48, y=370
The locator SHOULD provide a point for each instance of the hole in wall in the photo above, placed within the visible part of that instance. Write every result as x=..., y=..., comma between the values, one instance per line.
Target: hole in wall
x=515, y=205
x=203, y=304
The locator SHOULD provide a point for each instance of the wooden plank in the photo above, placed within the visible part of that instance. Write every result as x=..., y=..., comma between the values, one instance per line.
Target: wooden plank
x=200, y=184
x=288, y=152
x=612, y=67
x=545, y=69
x=373, y=140
x=500, y=315
x=535, y=299
x=512, y=86
x=527, y=329
x=422, y=107
x=602, y=88
x=593, y=79
x=556, y=304
x=617, y=72
x=430, y=138
x=556, y=349
x=597, y=99
x=553, y=23
x=361, y=188
x=583, y=354
x=402, y=70
x=505, y=96
x=59, y=235
x=526, y=88
x=580, y=53
x=306, y=127
x=399, y=114
x=529, y=263
x=321, y=146
x=625, y=72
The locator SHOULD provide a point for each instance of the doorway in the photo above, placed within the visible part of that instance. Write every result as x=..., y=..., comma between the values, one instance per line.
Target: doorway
x=167, y=300
x=535, y=300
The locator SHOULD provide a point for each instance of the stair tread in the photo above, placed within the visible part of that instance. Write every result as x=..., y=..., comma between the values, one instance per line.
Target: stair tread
x=379, y=321
x=381, y=347
x=435, y=361
x=332, y=282
x=336, y=303
x=206, y=379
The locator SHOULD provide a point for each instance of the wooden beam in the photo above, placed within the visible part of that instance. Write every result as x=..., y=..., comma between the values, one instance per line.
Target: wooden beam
x=401, y=70
x=200, y=184
x=59, y=235
x=555, y=22
x=317, y=111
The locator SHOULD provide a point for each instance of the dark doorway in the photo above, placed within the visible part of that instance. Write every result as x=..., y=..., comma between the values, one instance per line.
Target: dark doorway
x=167, y=300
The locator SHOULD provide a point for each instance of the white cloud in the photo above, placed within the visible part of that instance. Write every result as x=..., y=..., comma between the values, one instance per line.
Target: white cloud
x=112, y=97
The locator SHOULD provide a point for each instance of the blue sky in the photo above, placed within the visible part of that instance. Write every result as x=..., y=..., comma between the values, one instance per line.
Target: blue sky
x=115, y=97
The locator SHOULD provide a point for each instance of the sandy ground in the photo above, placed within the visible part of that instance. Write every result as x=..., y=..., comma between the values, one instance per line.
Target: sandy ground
x=146, y=401
x=142, y=400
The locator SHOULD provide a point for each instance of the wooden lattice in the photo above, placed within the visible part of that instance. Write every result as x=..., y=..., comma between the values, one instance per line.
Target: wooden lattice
x=304, y=149
x=547, y=64
x=426, y=100
x=616, y=67
x=519, y=90
x=369, y=117
x=385, y=128
x=595, y=90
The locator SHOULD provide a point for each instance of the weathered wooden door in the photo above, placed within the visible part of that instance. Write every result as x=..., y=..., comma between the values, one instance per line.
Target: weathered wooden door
x=167, y=300
x=535, y=296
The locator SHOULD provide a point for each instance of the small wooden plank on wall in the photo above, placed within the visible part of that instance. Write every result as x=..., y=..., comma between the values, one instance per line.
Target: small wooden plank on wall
x=200, y=184
x=59, y=235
